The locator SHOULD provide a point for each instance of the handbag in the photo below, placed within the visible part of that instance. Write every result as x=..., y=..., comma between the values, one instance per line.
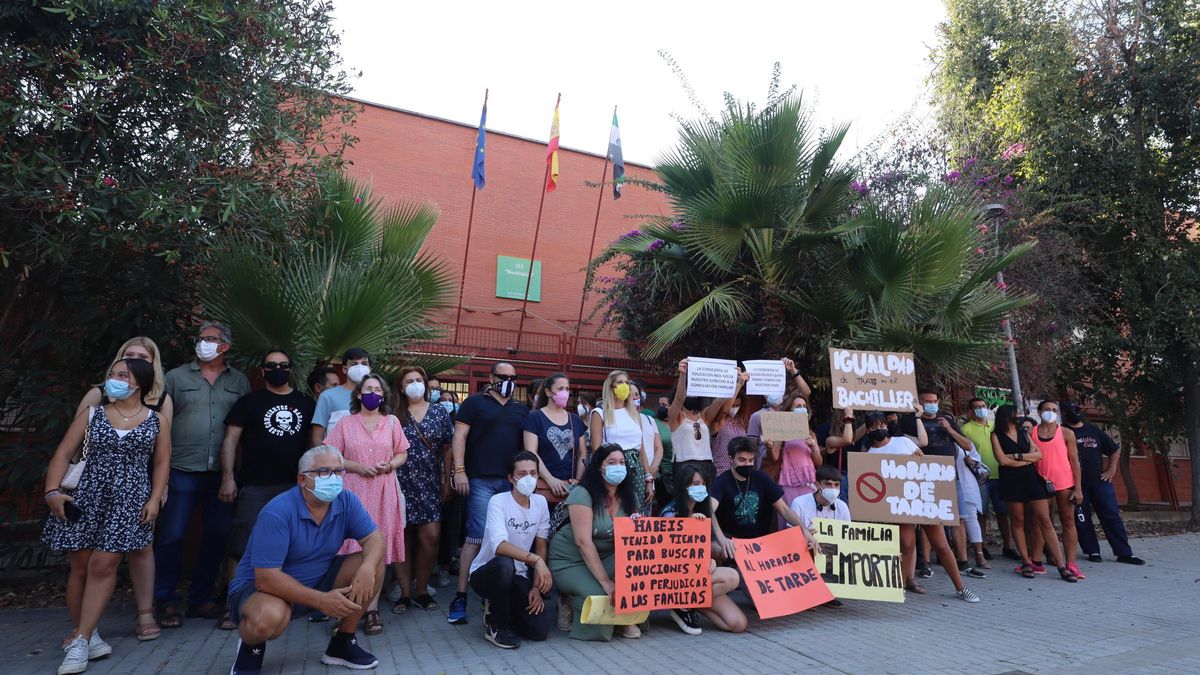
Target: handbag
x=70, y=480
x=982, y=473
x=1049, y=487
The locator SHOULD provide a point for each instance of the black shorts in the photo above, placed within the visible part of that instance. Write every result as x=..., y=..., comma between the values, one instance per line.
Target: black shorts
x=250, y=502
x=325, y=584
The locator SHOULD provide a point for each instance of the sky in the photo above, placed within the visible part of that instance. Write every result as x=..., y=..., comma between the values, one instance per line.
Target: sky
x=865, y=63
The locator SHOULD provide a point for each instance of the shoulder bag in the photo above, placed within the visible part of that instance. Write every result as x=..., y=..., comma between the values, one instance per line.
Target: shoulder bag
x=70, y=480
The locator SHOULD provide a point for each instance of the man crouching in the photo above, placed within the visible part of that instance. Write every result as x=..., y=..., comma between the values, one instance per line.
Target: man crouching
x=291, y=566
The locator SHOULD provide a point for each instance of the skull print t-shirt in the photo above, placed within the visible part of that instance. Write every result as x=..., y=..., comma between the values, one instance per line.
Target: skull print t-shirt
x=275, y=431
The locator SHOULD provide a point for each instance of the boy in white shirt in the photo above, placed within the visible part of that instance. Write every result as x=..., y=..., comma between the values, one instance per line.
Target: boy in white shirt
x=514, y=544
x=824, y=503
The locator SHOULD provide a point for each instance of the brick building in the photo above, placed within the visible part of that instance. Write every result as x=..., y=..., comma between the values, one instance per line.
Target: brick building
x=407, y=156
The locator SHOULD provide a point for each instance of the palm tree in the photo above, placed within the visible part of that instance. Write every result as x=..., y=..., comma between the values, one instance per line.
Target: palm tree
x=357, y=280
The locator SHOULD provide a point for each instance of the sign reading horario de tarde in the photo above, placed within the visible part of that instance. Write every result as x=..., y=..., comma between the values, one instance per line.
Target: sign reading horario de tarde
x=903, y=489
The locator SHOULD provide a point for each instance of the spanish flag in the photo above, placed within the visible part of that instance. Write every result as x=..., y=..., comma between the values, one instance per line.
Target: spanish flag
x=552, y=152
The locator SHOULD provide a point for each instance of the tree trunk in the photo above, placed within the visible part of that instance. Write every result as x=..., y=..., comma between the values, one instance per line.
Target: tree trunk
x=1191, y=400
x=1132, y=498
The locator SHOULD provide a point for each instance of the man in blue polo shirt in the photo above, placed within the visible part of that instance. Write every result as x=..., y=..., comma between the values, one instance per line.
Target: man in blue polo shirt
x=292, y=567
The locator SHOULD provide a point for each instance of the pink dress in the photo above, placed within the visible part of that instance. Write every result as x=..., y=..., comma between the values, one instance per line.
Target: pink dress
x=380, y=495
x=797, y=473
x=731, y=429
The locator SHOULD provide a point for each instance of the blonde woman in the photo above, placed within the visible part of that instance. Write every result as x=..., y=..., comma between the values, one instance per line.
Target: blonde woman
x=616, y=421
x=141, y=561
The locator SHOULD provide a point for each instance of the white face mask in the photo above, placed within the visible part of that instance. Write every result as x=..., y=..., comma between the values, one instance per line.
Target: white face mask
x=206, y=351
x=774, y=400
x=1049, y=416
x=357, y=372
x=800, y=409
x=526, y=485
x=830, y=494
x=415, y=390
x=581, y=409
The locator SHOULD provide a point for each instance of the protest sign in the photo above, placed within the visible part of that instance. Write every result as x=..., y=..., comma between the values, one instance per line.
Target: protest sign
x=766, y=377
x=715, y=378
x=873, y=380
x=780, y=574
x=598, y=610
x=860, y=561
x=902, y=489
x=783, y=426
x=662, y=563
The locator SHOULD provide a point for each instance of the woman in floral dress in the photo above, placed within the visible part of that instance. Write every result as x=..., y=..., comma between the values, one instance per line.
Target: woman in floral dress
x=372, y=441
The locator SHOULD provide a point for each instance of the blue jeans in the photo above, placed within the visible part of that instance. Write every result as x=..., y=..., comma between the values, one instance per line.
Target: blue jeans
x=187, y=490
x=482, y=491
x=844, y=492
x=1099, y=495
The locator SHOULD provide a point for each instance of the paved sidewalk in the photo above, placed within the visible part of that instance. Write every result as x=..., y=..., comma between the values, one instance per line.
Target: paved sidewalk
x=1121, y=619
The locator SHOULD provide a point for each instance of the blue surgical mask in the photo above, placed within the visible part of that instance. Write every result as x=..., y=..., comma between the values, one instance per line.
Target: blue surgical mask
x=981, y=413
x=698, y=493
x=930, y=408
x=614, y=474
x=326, y=489
x=774, y=400
x=117, y=390
x=449, y=406
x=435, y=395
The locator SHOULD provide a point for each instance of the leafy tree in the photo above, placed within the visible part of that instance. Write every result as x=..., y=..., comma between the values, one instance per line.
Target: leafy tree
x=360, y=281
x=1104, y=95
x=133, y=136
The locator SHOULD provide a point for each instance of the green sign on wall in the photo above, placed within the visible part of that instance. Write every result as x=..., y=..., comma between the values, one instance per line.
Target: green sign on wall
x=995, y=396
x=511, y=276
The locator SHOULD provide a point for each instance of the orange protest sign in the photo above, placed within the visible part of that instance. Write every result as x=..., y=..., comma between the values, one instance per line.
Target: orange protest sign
x=780, y=574
x=662, y=563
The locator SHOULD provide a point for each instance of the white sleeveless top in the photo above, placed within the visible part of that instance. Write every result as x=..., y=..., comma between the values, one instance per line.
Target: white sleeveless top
x=685, y=445
x=624, y=430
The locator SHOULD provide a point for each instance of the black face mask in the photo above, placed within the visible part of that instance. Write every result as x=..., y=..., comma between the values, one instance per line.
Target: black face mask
x=743, y=471
x=662, y=413
x=1071, y=416
x=505, y=388
x=277, y=378
x=893, y=428
x=877, y=435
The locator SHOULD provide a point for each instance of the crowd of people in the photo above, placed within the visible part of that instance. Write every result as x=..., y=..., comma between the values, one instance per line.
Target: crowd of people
x=305, y=499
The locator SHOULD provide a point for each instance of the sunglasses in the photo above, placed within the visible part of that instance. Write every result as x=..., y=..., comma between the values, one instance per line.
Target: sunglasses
x=696, y=429
x=505, y=378
x=276, y=366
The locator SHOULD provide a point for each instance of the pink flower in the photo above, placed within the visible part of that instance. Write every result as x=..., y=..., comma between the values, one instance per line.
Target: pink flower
x=979, y=250
x=1014, y=150
x=983, y=228
x=358, y=200
x=1001, y=285
x=108, y=181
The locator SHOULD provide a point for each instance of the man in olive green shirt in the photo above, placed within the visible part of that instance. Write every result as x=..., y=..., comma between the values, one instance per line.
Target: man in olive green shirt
x=202, y=392
x=978, y=429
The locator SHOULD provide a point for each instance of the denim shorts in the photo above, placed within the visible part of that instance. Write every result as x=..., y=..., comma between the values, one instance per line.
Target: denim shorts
x=482, y=491
x=992, y=497
x=238, y=598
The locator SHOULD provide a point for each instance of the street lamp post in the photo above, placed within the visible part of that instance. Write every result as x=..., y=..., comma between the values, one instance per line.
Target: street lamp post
x=994, y=213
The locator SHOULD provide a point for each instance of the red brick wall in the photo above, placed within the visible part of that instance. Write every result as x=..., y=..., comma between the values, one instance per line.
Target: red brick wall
x=405, y=156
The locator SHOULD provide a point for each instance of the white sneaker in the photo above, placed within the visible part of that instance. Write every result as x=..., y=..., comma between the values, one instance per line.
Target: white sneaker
x=631, y=632
x=393, y=593
x=97, y=647
x=966, y=594
x=430, y=590
x=76, y=660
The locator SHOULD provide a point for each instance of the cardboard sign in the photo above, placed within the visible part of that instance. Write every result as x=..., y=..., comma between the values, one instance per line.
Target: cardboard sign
x=873, y=380
x=860, y=561
x=598, y=610
x=714, y=378
x=766, y=377
x=784, y=426
x=780, y=574
x=662, y=563
x=902, y=489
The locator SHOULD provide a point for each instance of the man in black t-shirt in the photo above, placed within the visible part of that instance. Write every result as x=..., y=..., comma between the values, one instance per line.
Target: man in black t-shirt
x=746, y=501
x=272, y=427
x=488, y=432
x=1099, y=458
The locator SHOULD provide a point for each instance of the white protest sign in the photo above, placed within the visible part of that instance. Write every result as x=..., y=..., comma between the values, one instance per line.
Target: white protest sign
x=715, y=378
x=766, y=377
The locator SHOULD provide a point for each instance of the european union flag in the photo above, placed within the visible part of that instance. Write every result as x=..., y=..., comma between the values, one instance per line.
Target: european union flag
x=477, y=168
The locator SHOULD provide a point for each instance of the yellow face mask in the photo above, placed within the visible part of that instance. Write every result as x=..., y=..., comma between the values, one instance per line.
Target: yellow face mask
x=621, y=391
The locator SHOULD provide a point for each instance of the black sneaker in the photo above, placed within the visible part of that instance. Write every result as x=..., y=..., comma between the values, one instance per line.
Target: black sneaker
x=835, y=603
x=1130, y=560
x=1095, y=557
x=317, y=617
x=1011, y=554
x=501, y=637
x=687, y=621
x=249, y=659
x=925, y=572
x=344, y=651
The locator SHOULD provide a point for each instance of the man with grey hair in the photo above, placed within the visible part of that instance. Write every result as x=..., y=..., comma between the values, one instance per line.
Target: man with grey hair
x=291, y=566
x=203, y=393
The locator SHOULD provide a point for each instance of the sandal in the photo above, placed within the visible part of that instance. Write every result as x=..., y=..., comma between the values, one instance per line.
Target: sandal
x=1025, y=570
x=1067, y=575
x=983, y=565
x=402, y=605
x=147, y=629
x=371, y=623
x=169, y=617
x=426, y=602
x=226, y=622
x=914, y=587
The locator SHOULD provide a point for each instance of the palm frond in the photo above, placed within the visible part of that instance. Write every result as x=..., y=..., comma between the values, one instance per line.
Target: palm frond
x=724, y=303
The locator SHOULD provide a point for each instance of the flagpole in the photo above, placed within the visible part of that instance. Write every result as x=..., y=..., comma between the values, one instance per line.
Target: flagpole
x=537, y=228
x=462, y=282
x=591, y=252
